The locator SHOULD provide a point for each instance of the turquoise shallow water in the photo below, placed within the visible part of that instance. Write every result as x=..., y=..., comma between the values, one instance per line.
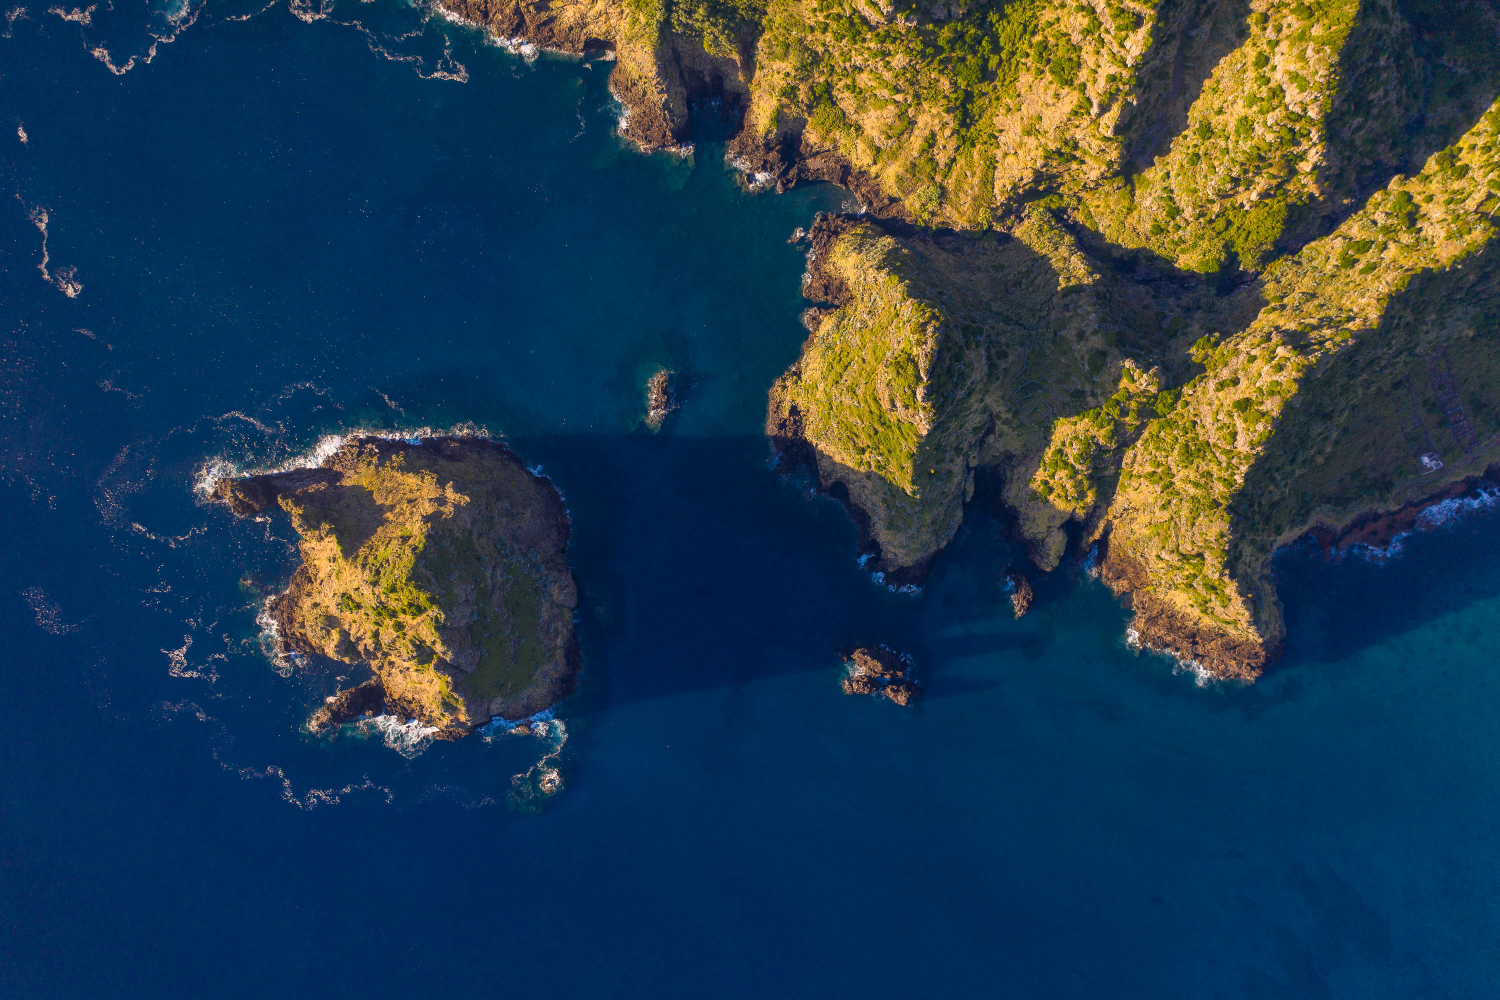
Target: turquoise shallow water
x=282, y=230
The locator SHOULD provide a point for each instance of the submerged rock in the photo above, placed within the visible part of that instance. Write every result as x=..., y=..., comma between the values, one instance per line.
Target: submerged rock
x=1021, y=594
x=878, y=670
x=441, y=564
x=661, y=397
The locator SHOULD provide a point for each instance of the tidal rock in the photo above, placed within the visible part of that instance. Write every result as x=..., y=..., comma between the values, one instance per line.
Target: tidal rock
x=880, y=670
x=1021, y=594
x=661, y=398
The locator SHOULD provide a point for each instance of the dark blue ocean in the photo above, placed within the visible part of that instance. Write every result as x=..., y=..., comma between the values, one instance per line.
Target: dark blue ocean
x=294, y=222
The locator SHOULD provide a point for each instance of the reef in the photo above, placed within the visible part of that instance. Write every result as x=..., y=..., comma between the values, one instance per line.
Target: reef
x=441, y=564
x=880, y=670
x=1189, y=278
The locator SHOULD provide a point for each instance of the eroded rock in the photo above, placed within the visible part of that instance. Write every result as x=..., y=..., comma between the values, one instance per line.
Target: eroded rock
x=880, y=670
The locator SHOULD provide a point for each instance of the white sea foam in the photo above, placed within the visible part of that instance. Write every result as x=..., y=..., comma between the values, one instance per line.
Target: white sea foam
x=49, y=617
x=909, y=589
x=307, y=13
x=78, y=15
x=64, y=279
x=407, y=738
x=1439, y=515
x=217, y=467
x=527, y=51
x=544, y=778
x=314, y=797
x=1202, y=676
x=269, y=639
x=756, y=179
x=176, y=21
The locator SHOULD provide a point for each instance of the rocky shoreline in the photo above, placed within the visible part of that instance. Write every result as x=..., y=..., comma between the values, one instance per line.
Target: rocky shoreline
x=1161, y=628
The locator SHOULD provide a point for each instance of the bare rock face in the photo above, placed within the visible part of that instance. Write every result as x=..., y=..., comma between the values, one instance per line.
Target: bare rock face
x=1021, y=594
x=442, y=564
x=880, y=670
x=661, y=398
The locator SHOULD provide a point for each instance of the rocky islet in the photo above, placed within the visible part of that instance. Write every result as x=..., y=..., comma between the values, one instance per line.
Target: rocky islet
x=442, y=564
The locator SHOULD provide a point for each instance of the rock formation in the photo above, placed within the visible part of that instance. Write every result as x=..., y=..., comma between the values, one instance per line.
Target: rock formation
x=880, y=670
x=661, y=398
x=1021, y=594
x=441, y=564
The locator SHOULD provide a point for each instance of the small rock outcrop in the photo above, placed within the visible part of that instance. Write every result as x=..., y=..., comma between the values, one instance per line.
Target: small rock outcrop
x=440, y=563
x=661, y=397
x=365, y=701
x=880, y=670
x=1021, y=594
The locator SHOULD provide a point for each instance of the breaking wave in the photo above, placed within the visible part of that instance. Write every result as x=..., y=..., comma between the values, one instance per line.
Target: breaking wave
x=532, y=787
x=217, y=467
x=1439, y=515
x=1181, y=665
x=408, y=738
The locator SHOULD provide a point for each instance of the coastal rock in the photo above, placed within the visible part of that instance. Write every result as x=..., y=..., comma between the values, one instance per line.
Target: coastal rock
x=880, y=670
x=441, y=564
x=365, y=701
x=657, y=72
x=1021, y=594
x=661, y=398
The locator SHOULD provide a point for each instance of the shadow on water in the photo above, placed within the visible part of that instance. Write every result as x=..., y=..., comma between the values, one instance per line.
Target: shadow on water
x=1338, y=610
x=699, y=567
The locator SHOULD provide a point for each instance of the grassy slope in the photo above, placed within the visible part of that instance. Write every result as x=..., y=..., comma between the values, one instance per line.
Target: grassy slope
x=447, y=576
x=1243, y=461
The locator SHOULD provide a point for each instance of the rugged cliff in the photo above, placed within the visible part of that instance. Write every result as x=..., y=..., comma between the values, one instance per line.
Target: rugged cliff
x=1195, y=276
x=440, y=564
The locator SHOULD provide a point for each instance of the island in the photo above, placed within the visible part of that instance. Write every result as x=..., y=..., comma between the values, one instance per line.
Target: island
x=441, y=563
x=1178, y=282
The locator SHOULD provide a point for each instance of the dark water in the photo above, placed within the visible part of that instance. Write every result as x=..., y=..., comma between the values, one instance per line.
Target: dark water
x=282, y=230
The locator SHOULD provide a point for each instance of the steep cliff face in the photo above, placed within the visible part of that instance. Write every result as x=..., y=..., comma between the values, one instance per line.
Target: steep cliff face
x=1194, y=275
x=665, y=55
x=442, y=565
x=943, y=352
x=1339, y=149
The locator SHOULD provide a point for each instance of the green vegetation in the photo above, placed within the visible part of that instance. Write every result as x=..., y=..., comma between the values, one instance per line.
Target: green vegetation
x=443, y=566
